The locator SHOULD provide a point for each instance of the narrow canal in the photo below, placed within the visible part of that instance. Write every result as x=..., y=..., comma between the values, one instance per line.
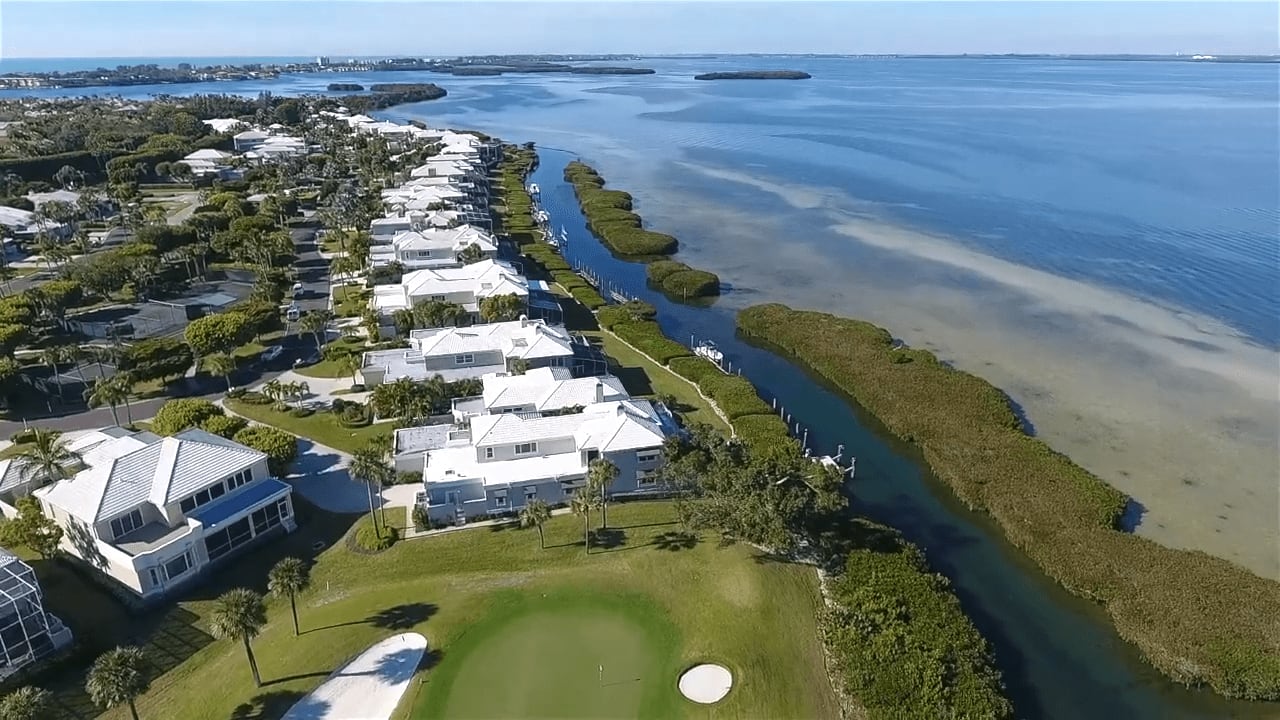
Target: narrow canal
x=1060, y=656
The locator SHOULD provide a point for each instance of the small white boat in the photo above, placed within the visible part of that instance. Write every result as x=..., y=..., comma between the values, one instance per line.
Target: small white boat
x=833, y=461
x=534, y=190
x=564, y=236
x=708, y=350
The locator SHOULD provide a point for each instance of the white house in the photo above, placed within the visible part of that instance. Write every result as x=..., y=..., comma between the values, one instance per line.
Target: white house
x=248, y=140
x=466, y=286
x=224, y=125
x=153, y=512
x=457, y=353
x=538, y=391
x=503, y=461
x=24, y=224
x=433, y=248
x=209, y=161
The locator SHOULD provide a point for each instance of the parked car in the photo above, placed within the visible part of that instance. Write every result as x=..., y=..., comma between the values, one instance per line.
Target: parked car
x=271, y=353
x=297, y=290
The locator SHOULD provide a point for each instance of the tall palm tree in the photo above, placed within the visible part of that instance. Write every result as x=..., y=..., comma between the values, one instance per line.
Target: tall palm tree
x=48, y=459
x=534, y=514
x=240, y=613
x=273, y=389
x=108, y=391
x=287, y=578
x=600, y=477
x=53, y=356
x=581, y=505
x=316, y=322
x=27, y=703
x=118, y=677
x=350, y=365
x=221, y=364
x=369, y=467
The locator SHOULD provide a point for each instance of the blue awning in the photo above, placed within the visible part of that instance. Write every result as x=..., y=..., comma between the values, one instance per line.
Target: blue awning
x=229, y=506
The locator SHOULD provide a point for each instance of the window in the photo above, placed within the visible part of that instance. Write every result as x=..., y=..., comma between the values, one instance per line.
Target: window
x=465, y=359
x=240, y=478
x=424, y=253
x=282, y=506
x=126, y=523
x=646, y=478
x=488, y=453
x=527, y=448
x=500, y=500
x=593, y=455
x=178, y=565
x=647, y=456
x=530, y=493
x=217, y=491
x=155, y=576
x=438, y=297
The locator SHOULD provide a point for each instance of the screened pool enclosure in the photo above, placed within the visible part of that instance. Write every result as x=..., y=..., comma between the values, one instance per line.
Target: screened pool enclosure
x=27, y=632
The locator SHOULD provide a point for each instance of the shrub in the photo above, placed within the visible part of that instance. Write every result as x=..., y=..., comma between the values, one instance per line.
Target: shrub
x=224, y=425
x=631, y=311
x=610, y=218
x=177, y=415
x=1198, y=618
x=899, y=640
x=354, y=415
x=421, y=521
x=23, y=436
x=253, y=397
x=235, y=393
x=647, y=337
x=281, y=447
x=301, y=412
x=735, y=395
x=407, y=477
x=680, y=281
x=369, y=541
x=694, y=369
x=588, y=297
x=761, y=431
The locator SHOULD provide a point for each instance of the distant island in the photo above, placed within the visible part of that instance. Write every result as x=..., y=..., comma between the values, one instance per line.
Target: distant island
x=345, y=87
x=755, y=75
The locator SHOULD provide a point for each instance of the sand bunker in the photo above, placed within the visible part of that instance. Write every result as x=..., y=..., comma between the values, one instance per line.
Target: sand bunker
x=706, y=683
x=367, y=688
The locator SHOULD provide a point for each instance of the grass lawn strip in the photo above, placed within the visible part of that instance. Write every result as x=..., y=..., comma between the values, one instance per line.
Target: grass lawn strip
x=444, y=585
x=323, y=427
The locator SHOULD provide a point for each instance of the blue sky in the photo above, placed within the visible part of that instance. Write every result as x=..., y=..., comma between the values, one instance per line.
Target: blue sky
x=194, y=28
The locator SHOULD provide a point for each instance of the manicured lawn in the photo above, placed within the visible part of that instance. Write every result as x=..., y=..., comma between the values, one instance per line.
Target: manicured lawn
x=643, y=377
x=321, y=426
x=350, y=300
x=584, y=655
x=647, y=606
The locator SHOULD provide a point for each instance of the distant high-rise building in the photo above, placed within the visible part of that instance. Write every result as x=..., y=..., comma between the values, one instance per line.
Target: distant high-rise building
x=322, y=60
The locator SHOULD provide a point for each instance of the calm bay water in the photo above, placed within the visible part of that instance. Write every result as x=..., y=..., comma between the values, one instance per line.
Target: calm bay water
x=1092, y=236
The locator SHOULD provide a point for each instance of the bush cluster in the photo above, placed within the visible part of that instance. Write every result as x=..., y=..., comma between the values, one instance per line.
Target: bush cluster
x=763, y=431
x=694, y=369
x=280, y=447
x=899, y=641
x=610, y=218
x=1198, y=618
x=735, y=395
x=680, y=281
x=369, y=541
x=647, y=337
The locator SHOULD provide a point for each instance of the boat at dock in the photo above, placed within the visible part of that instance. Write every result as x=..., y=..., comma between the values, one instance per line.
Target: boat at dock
x=534, y=190
x=707, y=349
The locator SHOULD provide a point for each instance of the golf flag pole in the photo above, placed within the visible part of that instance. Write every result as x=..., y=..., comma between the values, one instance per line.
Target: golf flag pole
x=602, y=675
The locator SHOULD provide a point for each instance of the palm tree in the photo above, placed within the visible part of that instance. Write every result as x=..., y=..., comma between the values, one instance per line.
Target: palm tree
x=221, y=364
x=48, y=457
x=288, y=578
x=350, y=365
x=369, y=467
x=118, y=677
x=273, y=389
x=534, y=514
x=316, y=322
x=240, y=613
x=581, y=505
x=27, y=703
x=108, y=391
x=600, y=478
x=52, y=356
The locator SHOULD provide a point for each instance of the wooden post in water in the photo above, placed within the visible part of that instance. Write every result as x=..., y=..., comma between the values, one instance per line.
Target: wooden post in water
x=804, y=442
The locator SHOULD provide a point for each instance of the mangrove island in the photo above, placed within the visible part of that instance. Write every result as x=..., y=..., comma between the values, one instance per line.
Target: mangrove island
x=345, y=87
x=755, y=75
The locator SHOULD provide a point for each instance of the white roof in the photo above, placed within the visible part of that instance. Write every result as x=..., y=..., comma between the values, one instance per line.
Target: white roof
x=40, y=199
x=451, y=238
x=550, y=388
x=527, y=339
x=208, y=154
x=252, y=135
x=483, y=279
x=608, y=427
x=130, y=471
x=222, y=125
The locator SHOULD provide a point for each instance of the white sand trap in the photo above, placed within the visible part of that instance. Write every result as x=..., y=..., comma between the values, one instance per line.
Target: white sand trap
x=706, y=683
x=367, y=688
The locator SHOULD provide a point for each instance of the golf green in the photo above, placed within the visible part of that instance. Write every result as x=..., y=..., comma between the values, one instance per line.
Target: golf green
x=561, y=655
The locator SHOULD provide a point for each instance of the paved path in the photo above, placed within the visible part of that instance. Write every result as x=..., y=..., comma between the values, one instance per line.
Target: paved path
x=367, y=688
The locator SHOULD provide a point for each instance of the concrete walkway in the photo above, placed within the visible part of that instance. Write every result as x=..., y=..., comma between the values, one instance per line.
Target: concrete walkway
x=322, y=390
x=367, y=688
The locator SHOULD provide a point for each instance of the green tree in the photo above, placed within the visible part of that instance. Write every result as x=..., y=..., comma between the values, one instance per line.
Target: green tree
x=118, y=677
x=437, y=313
x=240, y=613
x=281, y=447
x=470, y=254
x=32, y=528
x=581, y=504
x=157, y=358
x=287, y=578
x=600, y=477
x=177, y=415
x=12, y=337
x=27, y=703
x=47, y=459
x=502, y=308
x=224, y=425
x=350, y=365
x=220, y=332
x=111, y=392
x=316, y=322
x=221, y=364
x=369, y=467
x=534, y=514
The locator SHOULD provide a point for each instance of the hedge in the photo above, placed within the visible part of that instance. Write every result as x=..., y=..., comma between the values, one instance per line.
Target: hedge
x=45, y=167
x=281, y=447
x=760, y=431
x=735, y=395
x=609, y=217
x=647, y=337
x=681, y=281
x=1198, y=618
x=693, y=369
